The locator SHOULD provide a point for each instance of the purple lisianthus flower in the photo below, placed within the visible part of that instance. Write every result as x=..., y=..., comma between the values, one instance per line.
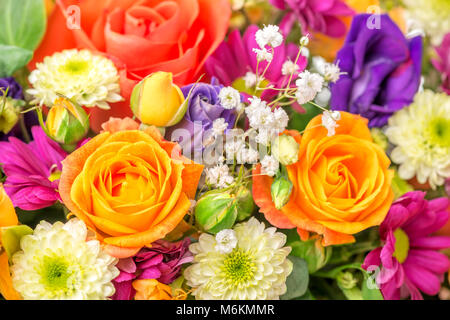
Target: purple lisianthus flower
x=163, y=262
x=203, y=108
x=382, y=70
x=409, y=259
x=14, y=89
x=32, y=170
x=235, y=59
x=324, y=16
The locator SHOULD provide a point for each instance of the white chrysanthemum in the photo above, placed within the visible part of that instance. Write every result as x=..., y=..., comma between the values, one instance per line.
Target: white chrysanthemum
x=57, y=263
x=432, y=15
x=255, y=270
x=89, y=80
x=421, y=133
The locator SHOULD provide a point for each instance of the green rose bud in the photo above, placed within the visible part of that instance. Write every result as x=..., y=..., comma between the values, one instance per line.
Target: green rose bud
x=245, y=203
x=67, y=123
x=281, y=191
x=285, y=149
x=216, y=211
x=8, y=115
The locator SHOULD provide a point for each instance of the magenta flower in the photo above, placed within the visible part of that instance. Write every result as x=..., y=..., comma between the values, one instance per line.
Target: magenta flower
x=32, y=170
x=162, y=262
x=409, y=259
x=442, y=63
x=324, y=16
x=235, y=58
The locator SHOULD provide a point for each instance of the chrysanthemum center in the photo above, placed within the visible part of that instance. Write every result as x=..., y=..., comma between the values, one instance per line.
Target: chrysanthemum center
x=76, y=66
x=238, y=267
x=440, y=132
x=401, y=245
x=55, y=274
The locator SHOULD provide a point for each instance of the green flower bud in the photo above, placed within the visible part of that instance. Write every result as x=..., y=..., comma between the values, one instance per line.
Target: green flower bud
x=245, y=205
x=216, y=211
x=8, y=115
x=285, y=149
x=346, y=280
x=281, y=191
x=312, y=251
x=67, y=122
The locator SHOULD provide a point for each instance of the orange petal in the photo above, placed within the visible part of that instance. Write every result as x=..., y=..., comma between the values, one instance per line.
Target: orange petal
x=6, y=286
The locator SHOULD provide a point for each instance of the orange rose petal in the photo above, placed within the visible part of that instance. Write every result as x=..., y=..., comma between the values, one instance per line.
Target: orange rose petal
x=191, y=177
x=119, y=124
x=157, y=232
x=6, y=286
x=8, y=215
x=120, y=253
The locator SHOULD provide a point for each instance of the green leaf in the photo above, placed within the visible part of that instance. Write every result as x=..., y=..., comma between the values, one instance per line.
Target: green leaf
x=370, y=289
x=22, y=23
x=297, y=281
x=12, y=59
x=299, y=121
x=10, y=238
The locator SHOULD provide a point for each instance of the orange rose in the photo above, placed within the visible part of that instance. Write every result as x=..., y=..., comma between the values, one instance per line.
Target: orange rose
x=151, y=289
x=8, y=218
x=341, y=184
x=141, y=36
x=130, y=187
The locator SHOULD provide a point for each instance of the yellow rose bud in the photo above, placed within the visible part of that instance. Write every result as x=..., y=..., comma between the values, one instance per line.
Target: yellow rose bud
x=157, y=101
x=285, y=149
x=67, y=122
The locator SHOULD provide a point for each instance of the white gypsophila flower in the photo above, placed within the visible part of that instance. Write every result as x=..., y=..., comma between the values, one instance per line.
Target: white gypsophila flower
x=330, y=71
x=263, y=55
x=308, y=85
x=281, y=119
x=219, y=126
x=305, y=52
x=256, y=269
x=248, y=155
x=329, y=121
x=229, y=97
x=219, y=176
x=323, y=97
x=269, y=36
x=421, y=135
x=266, y=136
x=89, y=80
x=289, y=68
x=250, y=79
x=226, y=241
x=304, y=41
x=234, y=147
x=57, y=263
x=269, y=165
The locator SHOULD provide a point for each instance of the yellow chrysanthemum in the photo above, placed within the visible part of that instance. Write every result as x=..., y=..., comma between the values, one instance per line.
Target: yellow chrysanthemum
x=421, y=133
x=256, y=269
x=432, y=15
x=87, y=79
x=57, y=263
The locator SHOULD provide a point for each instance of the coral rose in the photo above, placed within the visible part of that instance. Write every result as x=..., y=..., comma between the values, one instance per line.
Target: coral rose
x=141, y=36
x=341, y=184
x=130, y=187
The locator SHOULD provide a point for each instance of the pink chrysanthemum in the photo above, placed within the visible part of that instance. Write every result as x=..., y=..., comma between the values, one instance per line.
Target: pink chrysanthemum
x=235, y=58
x=442, y=63
x=324, y=16
x=162, y=262
x=409, y=259
x=32, y=170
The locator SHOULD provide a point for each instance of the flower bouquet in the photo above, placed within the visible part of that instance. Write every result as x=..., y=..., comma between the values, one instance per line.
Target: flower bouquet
x=224, y=149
